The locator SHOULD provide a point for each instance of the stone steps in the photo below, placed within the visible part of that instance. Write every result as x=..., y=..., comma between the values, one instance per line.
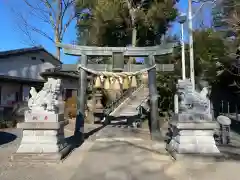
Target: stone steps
x=130, y=109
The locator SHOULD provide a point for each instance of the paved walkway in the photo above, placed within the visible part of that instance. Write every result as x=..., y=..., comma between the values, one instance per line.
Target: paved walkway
x=122, y=159
x=123, y=156
x=127, y=156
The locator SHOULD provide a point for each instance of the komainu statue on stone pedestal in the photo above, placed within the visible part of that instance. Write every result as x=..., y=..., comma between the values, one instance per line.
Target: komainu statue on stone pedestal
x=43, y=129
x=192, y=127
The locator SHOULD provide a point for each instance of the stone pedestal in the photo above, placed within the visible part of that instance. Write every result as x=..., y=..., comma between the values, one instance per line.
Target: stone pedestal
x=43, y=138
x=192, y=137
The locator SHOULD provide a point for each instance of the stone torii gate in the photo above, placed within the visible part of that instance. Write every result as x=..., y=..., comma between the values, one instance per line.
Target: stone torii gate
x=118, y=54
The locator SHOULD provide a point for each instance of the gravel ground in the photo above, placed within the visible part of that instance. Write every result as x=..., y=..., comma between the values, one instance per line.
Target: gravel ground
x=29, y=171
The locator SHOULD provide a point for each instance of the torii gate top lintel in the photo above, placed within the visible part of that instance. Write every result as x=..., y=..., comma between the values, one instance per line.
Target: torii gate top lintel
x=108, y=51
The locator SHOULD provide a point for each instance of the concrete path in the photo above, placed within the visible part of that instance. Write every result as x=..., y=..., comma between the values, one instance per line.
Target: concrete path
x=124, y=156
x=118, y=154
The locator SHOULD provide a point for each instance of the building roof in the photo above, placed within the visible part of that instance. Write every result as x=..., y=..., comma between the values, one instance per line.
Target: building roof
x=58, y=73
x=17, y=52
x=20, y=79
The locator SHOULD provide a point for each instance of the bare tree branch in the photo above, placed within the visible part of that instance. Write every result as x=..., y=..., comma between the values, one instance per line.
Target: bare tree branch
x=66, y=7
x=34, y=7
x=29, y=36
x=53, y=13
x=48, y=4
x=30, y=27
x=63, y=30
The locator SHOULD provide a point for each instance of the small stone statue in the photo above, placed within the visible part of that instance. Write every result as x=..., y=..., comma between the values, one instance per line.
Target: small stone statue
x=45, y=100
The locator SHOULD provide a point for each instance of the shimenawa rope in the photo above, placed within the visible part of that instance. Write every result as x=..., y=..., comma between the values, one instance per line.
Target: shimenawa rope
x=115, y=74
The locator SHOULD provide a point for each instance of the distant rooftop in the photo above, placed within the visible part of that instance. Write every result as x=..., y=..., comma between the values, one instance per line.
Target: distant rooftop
x=17, y=52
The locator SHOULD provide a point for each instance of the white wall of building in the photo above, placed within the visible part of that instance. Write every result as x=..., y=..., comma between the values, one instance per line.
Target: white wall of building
x=28, y=65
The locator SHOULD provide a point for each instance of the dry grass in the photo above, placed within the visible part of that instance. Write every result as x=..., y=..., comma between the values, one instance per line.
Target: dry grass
x=71, y=107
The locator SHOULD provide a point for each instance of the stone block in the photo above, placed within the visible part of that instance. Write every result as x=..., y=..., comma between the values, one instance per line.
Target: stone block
x=196, y=132
x=50, y=148
x=29, y=148
x=41, y=125
x=28, y=132
x=40, y=139
x=51, y=133
x=194, y=125
x=186, y=117
x=192, y=138
x=38, y=132
x=43, y=117
x=193, y=148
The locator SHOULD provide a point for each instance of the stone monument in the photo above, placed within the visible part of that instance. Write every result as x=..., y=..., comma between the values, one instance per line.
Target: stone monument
x=192, y=128
x=43, y=128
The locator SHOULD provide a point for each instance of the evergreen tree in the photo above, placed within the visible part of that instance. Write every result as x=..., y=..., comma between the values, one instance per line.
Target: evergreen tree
x=222, y=15
x=111, y=22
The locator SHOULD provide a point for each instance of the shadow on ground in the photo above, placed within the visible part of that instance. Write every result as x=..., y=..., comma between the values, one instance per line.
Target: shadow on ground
x=6, y=137
x=126, y=121
x=79, y=138
x=119, y=146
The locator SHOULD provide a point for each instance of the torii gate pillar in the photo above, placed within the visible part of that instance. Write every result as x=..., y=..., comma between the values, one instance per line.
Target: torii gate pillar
x=81, y=101
x=154, y=117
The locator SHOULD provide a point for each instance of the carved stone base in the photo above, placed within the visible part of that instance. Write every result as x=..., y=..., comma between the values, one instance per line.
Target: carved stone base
x=42, y=140
x=195, y=138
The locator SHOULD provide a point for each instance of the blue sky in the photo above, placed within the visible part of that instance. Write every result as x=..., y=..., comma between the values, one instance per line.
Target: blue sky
x=12, y=38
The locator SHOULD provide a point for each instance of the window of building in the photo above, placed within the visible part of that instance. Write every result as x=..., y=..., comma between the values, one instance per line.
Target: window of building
x=42, y=60
x=33, y=58
x=68, y=93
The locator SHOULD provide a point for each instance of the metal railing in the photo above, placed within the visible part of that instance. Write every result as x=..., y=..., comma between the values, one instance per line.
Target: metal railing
x=140, y=107
x=229, y=109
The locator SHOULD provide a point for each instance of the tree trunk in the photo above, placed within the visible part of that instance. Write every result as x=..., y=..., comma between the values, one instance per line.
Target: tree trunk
x=58, y=53
x=58, y=28
x=134, y=42
x=134, y=31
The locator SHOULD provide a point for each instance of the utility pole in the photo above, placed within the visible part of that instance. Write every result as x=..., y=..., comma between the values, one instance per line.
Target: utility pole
x=182, y=19
x=191, y=54
x=183, y=54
